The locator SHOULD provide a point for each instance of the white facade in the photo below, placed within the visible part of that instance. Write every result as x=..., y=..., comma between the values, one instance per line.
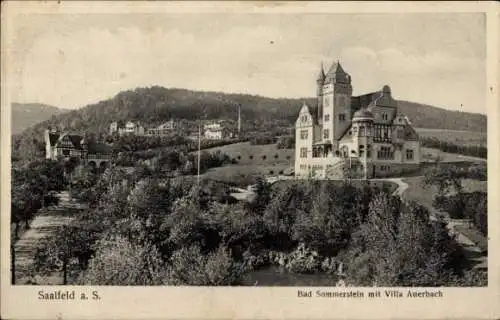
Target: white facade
x=163, y=129
x=129, y=128
x=366, y=132
x=214, y=131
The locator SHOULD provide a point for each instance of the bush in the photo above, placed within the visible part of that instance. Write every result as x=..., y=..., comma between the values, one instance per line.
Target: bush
x=190, y=267
x=287, y=142
x=262, y=140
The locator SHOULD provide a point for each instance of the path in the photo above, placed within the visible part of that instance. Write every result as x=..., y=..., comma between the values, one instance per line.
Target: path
x=43, y=225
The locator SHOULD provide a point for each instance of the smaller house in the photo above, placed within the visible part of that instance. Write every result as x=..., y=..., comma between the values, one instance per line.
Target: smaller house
x=129, y=127
x=215, y=131
x=65, y=145
x=163, y=129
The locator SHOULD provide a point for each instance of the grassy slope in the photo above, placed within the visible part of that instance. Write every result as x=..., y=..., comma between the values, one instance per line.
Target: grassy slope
x=459, y=137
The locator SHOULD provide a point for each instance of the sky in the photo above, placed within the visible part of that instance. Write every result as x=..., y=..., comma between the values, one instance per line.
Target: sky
x=71, y=60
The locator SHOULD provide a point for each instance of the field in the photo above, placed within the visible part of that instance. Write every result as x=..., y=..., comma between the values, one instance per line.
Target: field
x=243, y=175
x=463, y=138
x=267, y=155
x=252, y=161
x=431, y=154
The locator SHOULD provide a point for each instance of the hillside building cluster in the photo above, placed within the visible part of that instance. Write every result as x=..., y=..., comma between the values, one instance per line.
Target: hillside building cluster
x=366, y=133
x=136, y=128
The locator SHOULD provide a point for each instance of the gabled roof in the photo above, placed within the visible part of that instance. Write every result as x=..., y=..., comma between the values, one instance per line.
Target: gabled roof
x=364, y=100
x=334, y=69
x=74, y=138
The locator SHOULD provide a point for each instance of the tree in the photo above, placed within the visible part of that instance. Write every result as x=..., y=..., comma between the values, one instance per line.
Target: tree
x=262, y=198
x=120, y=262
x=446, y=179
x=55, y=254
x=189, y=266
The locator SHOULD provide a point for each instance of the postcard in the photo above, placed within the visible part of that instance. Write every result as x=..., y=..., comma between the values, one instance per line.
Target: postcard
x=249, y=160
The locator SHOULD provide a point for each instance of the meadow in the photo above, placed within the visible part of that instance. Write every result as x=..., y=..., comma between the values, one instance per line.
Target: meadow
x=459, y=137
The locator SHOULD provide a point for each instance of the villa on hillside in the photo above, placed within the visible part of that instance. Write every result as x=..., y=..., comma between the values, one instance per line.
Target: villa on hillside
x=163, y=129
x=129, y=127
x=65, y=145
x=365, y=133
x=216, y=131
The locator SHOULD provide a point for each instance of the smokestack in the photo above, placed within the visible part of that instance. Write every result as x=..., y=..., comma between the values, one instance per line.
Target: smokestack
x=239, y=120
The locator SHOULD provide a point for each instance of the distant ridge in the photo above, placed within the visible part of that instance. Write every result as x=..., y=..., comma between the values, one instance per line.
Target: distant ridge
x=25, y=115
x=157, y=104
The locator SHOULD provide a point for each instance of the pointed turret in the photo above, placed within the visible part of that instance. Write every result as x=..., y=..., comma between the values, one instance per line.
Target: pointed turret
x=321, y=75
x=320, y=81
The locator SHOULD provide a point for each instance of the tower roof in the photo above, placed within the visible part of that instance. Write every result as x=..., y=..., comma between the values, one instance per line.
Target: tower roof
x=335, y=68
x=336, y=73
x=321, y=75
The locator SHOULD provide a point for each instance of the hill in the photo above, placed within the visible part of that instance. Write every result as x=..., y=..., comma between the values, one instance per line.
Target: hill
x=25, y=115
x=154, y=105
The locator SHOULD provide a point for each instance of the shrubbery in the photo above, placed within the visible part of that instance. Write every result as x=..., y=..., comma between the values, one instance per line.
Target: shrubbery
x=262, y=140
x=184, y=234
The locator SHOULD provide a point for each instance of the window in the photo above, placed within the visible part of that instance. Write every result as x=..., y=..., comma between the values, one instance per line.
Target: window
x=303, y=167
x=326, y=134
x=400, y=133
x=327, y=102
x=361, y=150
x=327, y=117
x=368, y=151
x=303, y=134
x=385, y=153
x=304, y=118
x=316, y=152
x=362, y=131
x=342, y=117
x=303, y=152
x=384, y=116
x=386, y=133
x=409, y=154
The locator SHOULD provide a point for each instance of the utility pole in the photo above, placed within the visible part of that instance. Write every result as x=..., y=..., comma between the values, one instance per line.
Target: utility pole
x=199, y=152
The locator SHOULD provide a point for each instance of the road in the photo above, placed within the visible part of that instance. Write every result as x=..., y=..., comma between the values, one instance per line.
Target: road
x=43, y=225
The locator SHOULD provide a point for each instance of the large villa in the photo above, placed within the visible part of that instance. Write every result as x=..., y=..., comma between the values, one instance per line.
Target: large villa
x=365, y=133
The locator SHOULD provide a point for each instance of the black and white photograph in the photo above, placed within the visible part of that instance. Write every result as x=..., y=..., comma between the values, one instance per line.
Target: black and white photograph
x=246, y=149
